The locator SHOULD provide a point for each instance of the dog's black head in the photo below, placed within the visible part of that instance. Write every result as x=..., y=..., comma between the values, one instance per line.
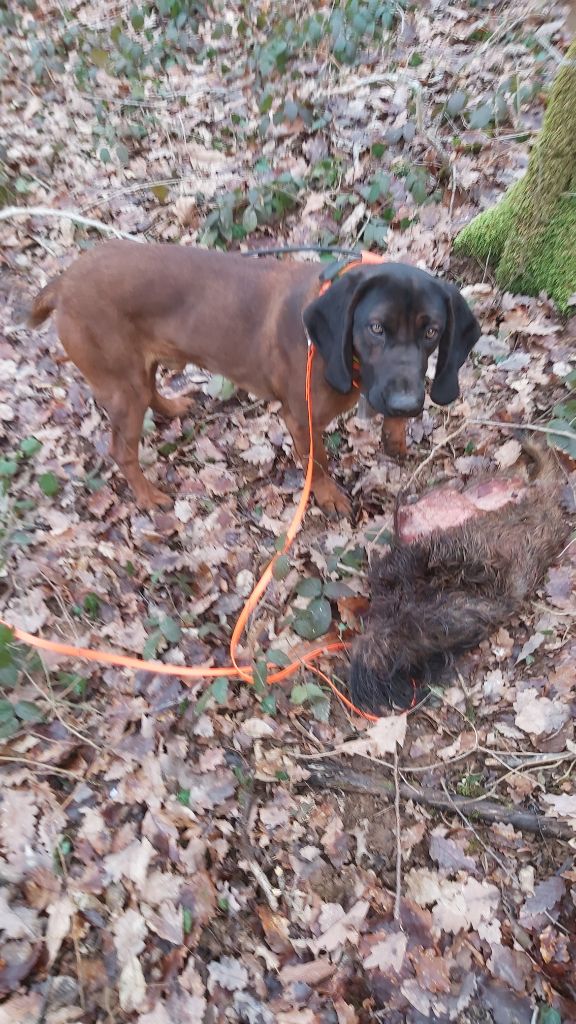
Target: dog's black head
x=392, y=317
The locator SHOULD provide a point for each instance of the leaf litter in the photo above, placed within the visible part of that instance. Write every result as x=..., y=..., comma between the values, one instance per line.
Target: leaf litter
x=148, y=830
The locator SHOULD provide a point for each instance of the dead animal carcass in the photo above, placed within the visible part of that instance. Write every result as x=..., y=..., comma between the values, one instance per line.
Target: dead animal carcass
x=439, y=591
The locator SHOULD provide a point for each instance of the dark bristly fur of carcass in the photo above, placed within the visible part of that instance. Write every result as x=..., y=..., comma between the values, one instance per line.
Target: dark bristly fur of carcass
x=441, y=595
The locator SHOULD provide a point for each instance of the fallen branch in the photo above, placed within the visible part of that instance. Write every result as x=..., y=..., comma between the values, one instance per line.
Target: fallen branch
x=333, y=775
x=9, y=212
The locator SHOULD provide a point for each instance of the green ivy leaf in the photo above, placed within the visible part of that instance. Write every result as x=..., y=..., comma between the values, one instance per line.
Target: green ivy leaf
x=6, y=710
x=123, y=153
x=30, y=446
x=220, y=387
x=290, y=110
x=260, y=676
x=9, y=727
x=268, y=705
x=91, y=605
x=548, y=1015
x=456, y=103
x=49, y=484
x=315, y=620
x=99, y=57
x=26, y=711
x=9, y=724
x=566, y=411
x=9, y=671
x=170, y=629
x=219, y=690
x=565, y=444
x=6, y=635
x=354, y=557
x=419, y=191
x=5, y=657
x=151, y=645
x=249, y=220
x=321, y=709
x=302, y=692
x=281, y=567
x=311, y=587
x=8, y=467
x=481, y=116
x=335, y=589
x=278, y=658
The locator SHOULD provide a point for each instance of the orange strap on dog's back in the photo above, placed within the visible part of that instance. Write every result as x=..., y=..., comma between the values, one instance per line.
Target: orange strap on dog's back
x=365, y=259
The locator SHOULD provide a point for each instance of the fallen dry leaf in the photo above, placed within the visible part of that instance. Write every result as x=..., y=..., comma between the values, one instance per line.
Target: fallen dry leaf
x=229, y=973
x=132, y=985
x=345, y=929
x=508, y=453
x=387, y=955
x=59, y=921
x=381, y=738
x=537, y=715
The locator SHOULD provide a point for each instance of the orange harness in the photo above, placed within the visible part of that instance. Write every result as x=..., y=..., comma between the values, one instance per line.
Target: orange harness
x=195, y=672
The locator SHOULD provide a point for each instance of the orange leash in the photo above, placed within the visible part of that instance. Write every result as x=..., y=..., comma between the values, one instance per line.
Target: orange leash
x=192, y=672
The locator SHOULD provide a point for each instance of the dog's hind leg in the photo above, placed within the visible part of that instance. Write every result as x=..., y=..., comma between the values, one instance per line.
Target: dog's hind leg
x=120, y=384
x=126, y=420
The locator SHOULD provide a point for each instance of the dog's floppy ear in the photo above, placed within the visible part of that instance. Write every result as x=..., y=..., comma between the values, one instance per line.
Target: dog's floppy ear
x=328, y=321
x=461, y=334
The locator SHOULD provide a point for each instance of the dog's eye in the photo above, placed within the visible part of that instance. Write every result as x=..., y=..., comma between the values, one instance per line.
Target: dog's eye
x=377, y=327
x=431, y=333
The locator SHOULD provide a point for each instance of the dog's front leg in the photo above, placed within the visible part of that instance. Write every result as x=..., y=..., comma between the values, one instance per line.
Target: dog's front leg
x=331, y=499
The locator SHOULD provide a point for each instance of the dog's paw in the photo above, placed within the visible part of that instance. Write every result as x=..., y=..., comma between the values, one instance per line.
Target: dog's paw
x=150, y=498
x=332, y=500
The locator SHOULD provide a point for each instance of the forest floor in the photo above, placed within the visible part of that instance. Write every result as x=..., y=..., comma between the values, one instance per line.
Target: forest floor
x=173, y=854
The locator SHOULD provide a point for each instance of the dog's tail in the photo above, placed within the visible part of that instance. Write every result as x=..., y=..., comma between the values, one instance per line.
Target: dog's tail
x=44, y=303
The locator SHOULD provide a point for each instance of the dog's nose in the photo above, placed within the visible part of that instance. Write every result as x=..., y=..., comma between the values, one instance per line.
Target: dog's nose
x=404, y=403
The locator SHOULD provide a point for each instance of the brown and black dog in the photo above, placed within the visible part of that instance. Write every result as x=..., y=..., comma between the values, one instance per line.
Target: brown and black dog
x=123, y=308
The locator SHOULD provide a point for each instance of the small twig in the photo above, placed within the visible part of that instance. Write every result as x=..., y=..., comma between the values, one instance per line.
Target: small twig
x=261, y=880
x=50, y=769
x=9, y=212
x=335, y=776
x=452, y=193
x=571, y=434
x=398, y=844
x=432, y=455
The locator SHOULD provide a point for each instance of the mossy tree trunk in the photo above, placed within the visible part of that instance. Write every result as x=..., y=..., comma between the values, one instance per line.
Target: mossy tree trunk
x=530, y=235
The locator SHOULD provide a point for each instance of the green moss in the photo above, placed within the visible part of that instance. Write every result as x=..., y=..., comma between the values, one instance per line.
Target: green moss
x=485, y=237
x=548, y=266
x=530, y=235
